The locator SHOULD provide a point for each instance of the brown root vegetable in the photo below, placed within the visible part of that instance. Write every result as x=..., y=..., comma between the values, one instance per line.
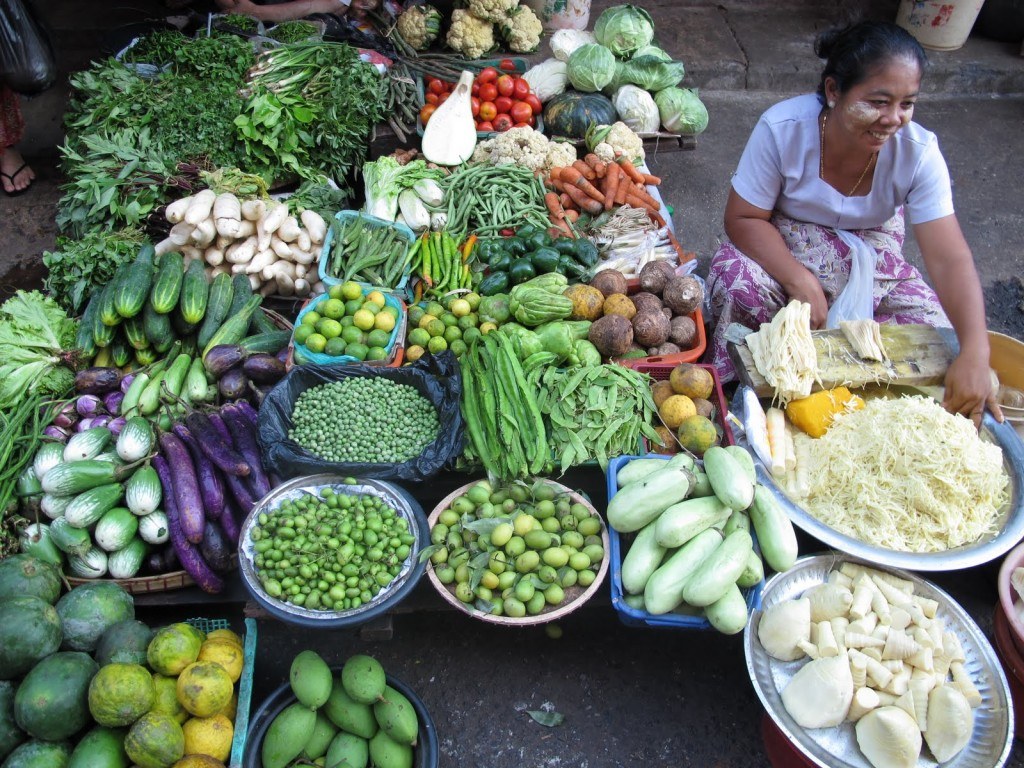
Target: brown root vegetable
x=650, y=328
x=683, y=331
x=683, y=294
x=668, y=440
x=646, y=302
x=667, y=312
x=609, y=281
x=666, y=348
x=704, y=407
x=612, y=335
x=654, y=276
x=661, y=391
x=587, y=301
x=619, y=304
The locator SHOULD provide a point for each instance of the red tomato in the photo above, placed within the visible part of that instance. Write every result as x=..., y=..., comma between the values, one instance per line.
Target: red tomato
x=534, y=103
x=435, y=85
x=487, y=110
x=474, y=104
x=520, y=89
x=507, y=65
x=520, y=112
x=503, y=104
x=506, y=85
x=487, y=75
x=485, y=126
x=488, y=92
x=442, y=98
x=425, y=112
x=431, y=98
x=502, y=123
x=476, y=89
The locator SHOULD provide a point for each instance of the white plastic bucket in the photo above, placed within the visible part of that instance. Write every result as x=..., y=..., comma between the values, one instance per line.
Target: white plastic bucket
x=561, y=14
x=941, y=25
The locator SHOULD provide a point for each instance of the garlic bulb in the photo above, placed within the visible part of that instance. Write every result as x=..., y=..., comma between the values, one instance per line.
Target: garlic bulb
x=783, y=627
x=889, y=738
x=819, y=695
x=950, y=722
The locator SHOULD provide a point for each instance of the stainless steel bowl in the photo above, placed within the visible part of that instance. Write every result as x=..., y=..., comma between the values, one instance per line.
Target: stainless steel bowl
x=383, y=601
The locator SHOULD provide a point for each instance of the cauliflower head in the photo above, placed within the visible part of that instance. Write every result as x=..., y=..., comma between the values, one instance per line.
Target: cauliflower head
x=526, y=147
x=619, y=140
x=491, y=10
x=419, y=26
x=522, y=29
x=469, y=35
x=560, y=154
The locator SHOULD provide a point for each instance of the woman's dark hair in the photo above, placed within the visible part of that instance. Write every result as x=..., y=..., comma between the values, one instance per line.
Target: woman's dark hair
x=851, y=53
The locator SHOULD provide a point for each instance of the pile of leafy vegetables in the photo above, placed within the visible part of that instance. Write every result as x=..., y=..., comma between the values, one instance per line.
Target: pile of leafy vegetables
x=75, y=268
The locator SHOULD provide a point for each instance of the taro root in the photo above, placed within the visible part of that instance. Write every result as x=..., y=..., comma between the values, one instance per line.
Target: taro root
x=646, y=302
x=704, y=407
x=654, y=276
x=609, y=281
x=612, y=335
x=667, y=312
x=683, y=294
x=620, y=304
x=683, y=332
x=650, y=328
x=667, y=348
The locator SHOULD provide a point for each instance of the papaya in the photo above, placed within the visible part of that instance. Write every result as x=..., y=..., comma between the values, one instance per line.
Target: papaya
x=124, y=642
x=87, y=611
x=52, y=702
x=40, y=754
x=30, y=630
x=10, y=734
x=100, y=748
x=22, y=575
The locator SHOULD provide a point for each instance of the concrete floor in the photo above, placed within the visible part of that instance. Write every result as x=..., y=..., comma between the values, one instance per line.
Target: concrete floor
x=630, y=696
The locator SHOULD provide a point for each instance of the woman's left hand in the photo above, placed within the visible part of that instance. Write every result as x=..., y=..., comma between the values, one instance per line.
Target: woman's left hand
x=969, y=389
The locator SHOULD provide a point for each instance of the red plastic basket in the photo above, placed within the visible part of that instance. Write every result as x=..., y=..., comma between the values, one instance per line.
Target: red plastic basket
x=686, y=356
x=1013, y=666
x=781, y=752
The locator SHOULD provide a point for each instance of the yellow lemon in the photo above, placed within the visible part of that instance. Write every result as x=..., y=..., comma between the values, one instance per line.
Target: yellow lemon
x=224, y=634
x=198, y=761
x=376, y=297
x=226, y=653
x=209, y=736
x=231, y=710
x=351, y=290
x=363, y=320
x=204, y=688
x=383, y=322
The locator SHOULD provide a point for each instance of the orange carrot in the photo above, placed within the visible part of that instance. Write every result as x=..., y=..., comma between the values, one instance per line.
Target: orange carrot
x=566, y=201
x=588, y=173
x=555, y=173
x=595, y=162
x=638, y=202
x=611, y=186
x=554, y=206
x=583, y=200
x=641, y=191
x=557, y=185
x=624, y=185
x=561, y=229
x=630, y=169
x=652, y=180
x=572, y=216
x=573, y=176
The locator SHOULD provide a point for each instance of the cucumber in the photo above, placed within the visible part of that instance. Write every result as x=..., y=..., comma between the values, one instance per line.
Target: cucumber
x=234, y=327
x=126, y=562
x=136, y=439
x=753, y=573
x=664, y=590
x=270, y=342
x=736, y=520
x=120, y=353
x=87, y=444
x=135, y=332
x=131, y=292
x=108, y=311
x=681, y=522
x=195, y=291
x=167, y=286
x=68, y=539
x=728, y=479
x=174, y=379
x=241, y=292
x=642, y=559
x=775, y=534
x=719, y=570
x=261, y=323
x=196, y=388
x=157, y=328
x=639, y=503
x=91, y=565
x=84, y=339
x=637, y=469
x=130, y=403
x=744, y=459
x=115, y=529
x=181, y=326
x=701, y=486
x=728, y=614
x=217, y=307
x=143, y=492
x=73, y=477
x=146, y=356
x=89, y=506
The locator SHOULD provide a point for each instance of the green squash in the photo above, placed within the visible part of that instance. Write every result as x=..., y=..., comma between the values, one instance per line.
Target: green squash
x=570, y=114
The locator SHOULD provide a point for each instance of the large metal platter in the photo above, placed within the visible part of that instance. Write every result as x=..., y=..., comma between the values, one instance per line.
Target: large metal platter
x=992, y=738
x=389, y=596
x=1009, y=526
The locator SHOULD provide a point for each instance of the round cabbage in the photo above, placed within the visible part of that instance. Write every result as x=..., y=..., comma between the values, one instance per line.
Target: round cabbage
x=681, y=111
x=590, y=67
x=637, y=109
x=652, y=50
x=623, y=29
x=564, y=41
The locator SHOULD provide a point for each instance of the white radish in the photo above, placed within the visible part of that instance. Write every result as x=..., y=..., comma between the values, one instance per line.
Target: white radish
x=280, y=247
x=202, y=205
x=253, y=210
x=219, y=270
x=289, y=230
x=259, y=261
x=241, y=252
x=274, y=218
x=165, y=246
x=242, y=269
x=315, y=226
x=246, y=229
x=190, y=254
x=254, y=282
x=302, y=287
x=304, y=241
x=175, y=212
x=301, y=257
x=227, y=212
x=267, y=289
x=300, y=270
x=319, y=287
x=214, y=257
x=285, y=285
x=222, y=242
x=180, y=233
x=204, y=233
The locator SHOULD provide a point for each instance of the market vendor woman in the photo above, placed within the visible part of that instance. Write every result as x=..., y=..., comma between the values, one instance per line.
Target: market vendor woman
x=825, y=173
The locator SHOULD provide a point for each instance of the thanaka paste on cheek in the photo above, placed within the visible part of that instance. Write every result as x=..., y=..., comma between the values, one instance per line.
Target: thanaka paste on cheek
x=862, y=114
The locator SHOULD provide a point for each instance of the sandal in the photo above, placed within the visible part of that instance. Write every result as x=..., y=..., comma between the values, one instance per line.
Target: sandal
x=12, y=176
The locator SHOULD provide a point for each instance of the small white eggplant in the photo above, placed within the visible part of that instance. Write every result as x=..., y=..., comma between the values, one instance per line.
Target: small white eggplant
x=819, y=695
x=950, y=722
x=783, y=627
x=889, y=738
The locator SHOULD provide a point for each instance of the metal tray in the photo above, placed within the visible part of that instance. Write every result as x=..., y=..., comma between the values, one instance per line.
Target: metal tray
x=384, y=600
x=1010, y=525
x=836, y=747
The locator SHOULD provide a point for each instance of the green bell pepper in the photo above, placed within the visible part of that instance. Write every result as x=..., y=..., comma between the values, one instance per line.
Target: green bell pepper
x=565, y=245
x=545, y=260
x=496, y=282
x=500, y=262
x=521, y=270
x=586, y=252
x=526, y=230
x=516, y=246
x=538, y=240
x=490, y=247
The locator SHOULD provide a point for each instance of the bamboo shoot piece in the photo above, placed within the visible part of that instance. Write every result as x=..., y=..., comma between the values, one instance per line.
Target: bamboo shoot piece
x=865, y=337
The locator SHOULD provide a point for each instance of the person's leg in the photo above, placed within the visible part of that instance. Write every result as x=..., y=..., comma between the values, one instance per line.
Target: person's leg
x=15, y=174
x=908, y=300
x=739, y=291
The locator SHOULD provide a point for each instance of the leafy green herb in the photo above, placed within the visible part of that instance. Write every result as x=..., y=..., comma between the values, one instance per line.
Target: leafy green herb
x=76, y=267
x=155, y=48
x=319, y=196
x=293, y=31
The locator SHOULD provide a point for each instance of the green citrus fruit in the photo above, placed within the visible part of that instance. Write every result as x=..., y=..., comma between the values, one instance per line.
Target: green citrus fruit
x=437, y=344
x=435, y=327
x=358, y=351
x=311, y=318
x=460, y=308
x=377, y=353
x=384, y=321
x=335, y=347
x=316, y=343
x=303, y=332
x=363, y=320
x=418, y=337
x=414, y=353
x=452, y=333
x=378, y=338
x=332, y=308
x=351, y=290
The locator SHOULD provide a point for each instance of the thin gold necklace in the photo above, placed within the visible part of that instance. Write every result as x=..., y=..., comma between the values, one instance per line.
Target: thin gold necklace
x=821, y=159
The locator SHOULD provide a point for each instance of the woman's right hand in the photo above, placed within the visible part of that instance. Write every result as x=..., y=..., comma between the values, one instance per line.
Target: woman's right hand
x=807, y=288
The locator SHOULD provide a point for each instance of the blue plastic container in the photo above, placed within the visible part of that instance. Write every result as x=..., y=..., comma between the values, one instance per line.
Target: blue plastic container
x=303, y=355
x=633, y=617
x=343, y=217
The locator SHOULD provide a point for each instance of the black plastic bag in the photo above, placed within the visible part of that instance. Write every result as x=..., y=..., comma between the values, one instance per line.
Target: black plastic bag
x=436, y=377
x=27, y=63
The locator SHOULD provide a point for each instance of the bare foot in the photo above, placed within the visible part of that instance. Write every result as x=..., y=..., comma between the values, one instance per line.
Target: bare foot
x=15, y=173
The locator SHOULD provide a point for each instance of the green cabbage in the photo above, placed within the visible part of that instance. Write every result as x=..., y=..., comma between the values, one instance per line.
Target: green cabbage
x=652, y=50
x=637, y=109
x=623, y=29
x=647, y=72
x=590, y=67
x=681, y=111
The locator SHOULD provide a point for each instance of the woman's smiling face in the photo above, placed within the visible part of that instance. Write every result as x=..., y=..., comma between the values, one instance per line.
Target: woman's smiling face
x=873, y=110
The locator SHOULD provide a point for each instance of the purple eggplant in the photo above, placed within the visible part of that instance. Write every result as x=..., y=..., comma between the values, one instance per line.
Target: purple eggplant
x=112, y=401
x=233, y=384
x=229, y=524
x=56, y=433
x=116, y=425
x=187, y=498
x=282, y=355
x=89, y=405
x=244, y=439
x=65, y=420
x=216, y=548
x=188, y=555
x=206, y=473
x=126, y=382
x=250, y=413
x=97, y=380
x=163, y=560
x=263, y=369
x=91, y=422
x=222, y=358
x=215, y=440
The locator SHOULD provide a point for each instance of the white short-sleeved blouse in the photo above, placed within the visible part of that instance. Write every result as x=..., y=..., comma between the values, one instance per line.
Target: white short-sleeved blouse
x=778, y=171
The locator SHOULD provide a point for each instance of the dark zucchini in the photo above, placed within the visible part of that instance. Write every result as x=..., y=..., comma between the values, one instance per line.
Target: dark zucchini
x=158, y=328
x=167, y=286
x=188, y=501
x=84, y=339
x=195, y=292
x=261, y=323
x=217, y=307
x=210, y=485
x=132, y=291
x=120, y=352
x=215, y=548
x=241, y=292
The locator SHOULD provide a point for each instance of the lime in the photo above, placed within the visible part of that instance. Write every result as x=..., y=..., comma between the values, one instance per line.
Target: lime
x=449, y=319
x=378, y=338
x=435, y=327
x=460, y=308
x=377, y=353
x=414, y=353
x=384, y=322
x=311, y=318
x=392, y=310
x=458, y=347
x=372, y=307
x=415, y=313
x=303, y=332
x=336, y=291
x=376, y=297
x=328, y=328
x=352, y=335
x=316, y=343
x=437, y=344
x=418, y=337
x=473, y=299
x=486, y=328
x=346, y=321
x=358, y=351
x=351, y=290
x=452, y=333
x=468, y=321
x=434, y=308
x=426, y=320
x=332, y=308
x=470, y=335
x=363, y=320
x=352, y=306
x=335, y=347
